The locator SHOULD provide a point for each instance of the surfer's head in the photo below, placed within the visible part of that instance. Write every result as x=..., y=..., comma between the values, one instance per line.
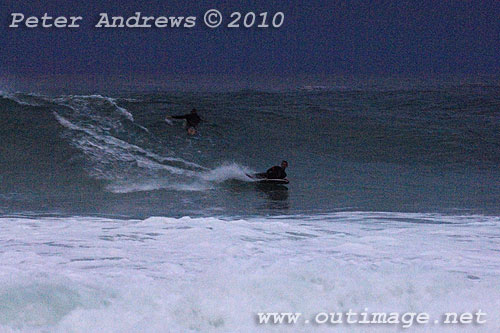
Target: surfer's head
x=191, y=131
x=193, y=111
x=284, y=164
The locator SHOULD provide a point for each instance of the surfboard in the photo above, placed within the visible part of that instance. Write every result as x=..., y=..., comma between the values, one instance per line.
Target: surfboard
x=267, y=180
x=272, y=181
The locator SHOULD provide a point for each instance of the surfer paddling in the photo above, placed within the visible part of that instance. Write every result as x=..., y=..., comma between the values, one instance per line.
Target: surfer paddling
x=192, y=120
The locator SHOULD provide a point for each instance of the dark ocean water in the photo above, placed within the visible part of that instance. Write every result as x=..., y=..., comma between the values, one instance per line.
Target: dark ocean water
x=412, y=149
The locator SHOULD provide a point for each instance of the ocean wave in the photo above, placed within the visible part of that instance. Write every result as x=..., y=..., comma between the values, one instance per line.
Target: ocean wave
x=336, y=141
x=71, y=100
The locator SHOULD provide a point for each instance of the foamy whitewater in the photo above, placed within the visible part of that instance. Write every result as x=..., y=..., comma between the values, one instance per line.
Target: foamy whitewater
x=206, y=274
x=113, y=220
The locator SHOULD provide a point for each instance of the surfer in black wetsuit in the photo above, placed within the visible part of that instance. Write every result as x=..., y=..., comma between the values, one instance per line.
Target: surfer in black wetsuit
x=192, y=120
x=276, y=172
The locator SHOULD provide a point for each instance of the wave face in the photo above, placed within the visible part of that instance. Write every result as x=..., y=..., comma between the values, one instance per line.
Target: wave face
x=412, y=149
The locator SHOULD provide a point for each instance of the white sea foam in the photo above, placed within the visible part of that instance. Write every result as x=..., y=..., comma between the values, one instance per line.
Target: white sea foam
x=71, y=100
x=192, y=181
x=227, y=172
x=161, y=274
x=104, y=149
x=157, y=184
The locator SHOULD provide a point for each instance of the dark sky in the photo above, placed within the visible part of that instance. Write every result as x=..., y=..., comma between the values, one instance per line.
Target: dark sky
x=318, y=37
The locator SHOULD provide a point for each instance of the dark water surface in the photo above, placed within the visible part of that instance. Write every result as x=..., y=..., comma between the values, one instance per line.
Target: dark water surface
x=414, y=149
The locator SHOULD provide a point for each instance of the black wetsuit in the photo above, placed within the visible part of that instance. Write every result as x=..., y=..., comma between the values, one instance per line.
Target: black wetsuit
x=276, y=172
x=192, y=119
